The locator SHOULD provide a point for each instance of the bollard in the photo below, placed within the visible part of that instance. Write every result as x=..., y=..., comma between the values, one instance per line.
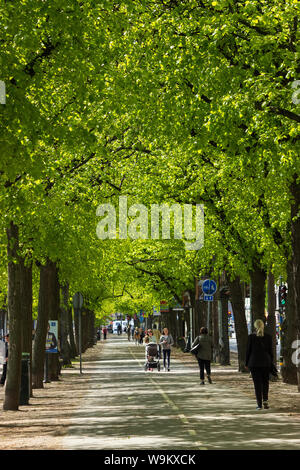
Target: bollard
x=25, y=380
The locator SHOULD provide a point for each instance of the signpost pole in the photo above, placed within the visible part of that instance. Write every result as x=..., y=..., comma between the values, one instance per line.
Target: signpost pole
x=209, y=288
x=208, y=315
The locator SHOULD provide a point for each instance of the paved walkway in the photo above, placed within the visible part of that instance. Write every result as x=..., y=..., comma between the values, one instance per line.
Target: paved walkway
x=128, y=408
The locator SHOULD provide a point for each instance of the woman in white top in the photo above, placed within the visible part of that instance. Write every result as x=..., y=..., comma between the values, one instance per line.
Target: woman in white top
x=166, y=341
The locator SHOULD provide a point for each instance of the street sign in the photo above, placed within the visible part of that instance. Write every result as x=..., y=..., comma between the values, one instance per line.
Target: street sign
x=156, y=311
x=208, y=297
x=209, y=287
x=51, y=338
x=164, y=306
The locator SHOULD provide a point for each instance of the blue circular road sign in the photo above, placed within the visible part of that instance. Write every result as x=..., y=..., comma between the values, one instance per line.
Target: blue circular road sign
x=209, y=287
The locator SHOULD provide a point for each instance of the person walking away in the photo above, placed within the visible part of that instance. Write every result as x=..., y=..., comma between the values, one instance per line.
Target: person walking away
x=104, y=331
x=142, y=335
x=4, y=370
x=128, y=332
x=137, y=336
x=204, y=354
x=166, y=342
x=259, y=359
x=119, y=329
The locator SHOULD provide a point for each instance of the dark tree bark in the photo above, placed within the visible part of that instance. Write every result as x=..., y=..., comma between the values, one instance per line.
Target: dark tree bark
x=54, y=309
x=172, y=322
x=26, y=286
x=289, y=333
x=271, y=321
x=215, y=330
x=76, y=325
x=71, y=334
x=224, y=350
x=258, y=293
x=238, y=305
x=84, y=329
x=47, y=307
x=295, y=260
x=65, y=348
x=14, y=304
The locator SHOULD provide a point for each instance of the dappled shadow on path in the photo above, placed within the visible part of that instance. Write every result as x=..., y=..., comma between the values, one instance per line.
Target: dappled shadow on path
x=127, y=408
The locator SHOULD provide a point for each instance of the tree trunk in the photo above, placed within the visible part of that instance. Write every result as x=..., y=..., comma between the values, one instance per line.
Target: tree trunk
x=172, y=323
x=238, y=305
x=71, y=334
x=258, y=293
x=271, y=321
x=13, y=379
x=224, y=350
x=289, y=333
x=76, y=325
x=295, y=243
x=84, y=329
x=92, y=329
x=26, y=286
x=47, y=306
x=215, y=330
x=54, y=308
x=65, y=348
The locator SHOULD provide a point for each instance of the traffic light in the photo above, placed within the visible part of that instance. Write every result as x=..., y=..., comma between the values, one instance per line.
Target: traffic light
x=282, y=296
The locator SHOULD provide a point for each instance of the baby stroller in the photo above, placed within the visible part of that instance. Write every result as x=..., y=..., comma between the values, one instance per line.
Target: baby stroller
x=152, y=356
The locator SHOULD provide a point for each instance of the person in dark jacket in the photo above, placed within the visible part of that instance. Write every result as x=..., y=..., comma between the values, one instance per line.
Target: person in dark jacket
x=204, y=354
x=259, y=358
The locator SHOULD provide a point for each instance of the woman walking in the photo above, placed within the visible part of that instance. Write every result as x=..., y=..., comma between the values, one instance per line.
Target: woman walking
x=259, y=358
x=104, y=331
x=204, y=354
x=166, y=342
x=136, y=336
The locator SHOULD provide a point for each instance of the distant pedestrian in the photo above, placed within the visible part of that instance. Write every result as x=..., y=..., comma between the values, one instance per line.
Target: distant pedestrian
x=128, y=332
x=104, y=331
x=137, y=336
x=204, y=354
x=142, y=335
x=4, y=370
x=119, y=329
x=259, y=359
x=166, y=342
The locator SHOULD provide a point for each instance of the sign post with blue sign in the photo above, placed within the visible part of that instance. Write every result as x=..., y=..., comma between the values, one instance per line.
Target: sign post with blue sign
x=209, y=288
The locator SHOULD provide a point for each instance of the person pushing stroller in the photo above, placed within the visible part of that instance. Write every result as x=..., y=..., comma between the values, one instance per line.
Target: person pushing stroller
x=151, y=355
